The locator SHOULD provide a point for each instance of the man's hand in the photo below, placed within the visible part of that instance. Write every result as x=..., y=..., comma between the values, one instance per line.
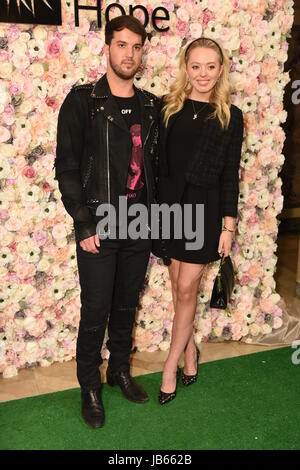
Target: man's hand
x=90, y=244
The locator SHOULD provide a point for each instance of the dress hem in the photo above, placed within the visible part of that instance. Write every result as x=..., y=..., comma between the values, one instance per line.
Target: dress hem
x=177, y=258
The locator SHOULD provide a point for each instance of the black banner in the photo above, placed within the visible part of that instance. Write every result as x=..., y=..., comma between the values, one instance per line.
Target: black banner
x=31, y=11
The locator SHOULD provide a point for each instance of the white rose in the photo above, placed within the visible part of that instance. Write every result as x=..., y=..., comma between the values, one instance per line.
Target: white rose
x=275, y=298
x=167, y=296
x=26, y=107
x=254, y=329
x=259, y=54
x=19, y=47
x=10, y=371
x=37, y=70
x=45, y=363
x=281, y=56
x=217, y=331
x=277, y=322
x=7, y=150
x=198, y=337
x=84, y=52
x=164, y=345
x=43, y=265
x=40, y=33
x=61, y=243
x=6, y=70
x=266, y=329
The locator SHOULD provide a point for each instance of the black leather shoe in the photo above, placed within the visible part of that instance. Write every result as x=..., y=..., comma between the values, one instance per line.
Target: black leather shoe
x=92, y=409
x=165, y=397
x=190, y=379
x=130, y=389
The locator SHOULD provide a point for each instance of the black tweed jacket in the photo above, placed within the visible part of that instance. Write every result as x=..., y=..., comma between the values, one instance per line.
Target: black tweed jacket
x=216, y=158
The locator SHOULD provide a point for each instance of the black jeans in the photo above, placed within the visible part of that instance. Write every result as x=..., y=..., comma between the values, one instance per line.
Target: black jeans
x=110, y=283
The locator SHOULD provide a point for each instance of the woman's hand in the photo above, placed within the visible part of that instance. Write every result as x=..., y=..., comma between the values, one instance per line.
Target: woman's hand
x=225, y=242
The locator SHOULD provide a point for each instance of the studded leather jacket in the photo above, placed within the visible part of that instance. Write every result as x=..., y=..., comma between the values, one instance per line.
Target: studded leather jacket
x=94, y=148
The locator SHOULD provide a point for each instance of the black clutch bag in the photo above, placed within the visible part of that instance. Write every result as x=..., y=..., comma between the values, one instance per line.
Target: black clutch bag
x=223, y=284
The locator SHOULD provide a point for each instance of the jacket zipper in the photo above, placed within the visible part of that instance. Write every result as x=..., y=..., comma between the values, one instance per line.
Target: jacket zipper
x=88, y=173
x=147, y=182
x=108, y=174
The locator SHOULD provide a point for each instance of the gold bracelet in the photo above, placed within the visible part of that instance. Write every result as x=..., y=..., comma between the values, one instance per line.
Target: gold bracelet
x=228, y=230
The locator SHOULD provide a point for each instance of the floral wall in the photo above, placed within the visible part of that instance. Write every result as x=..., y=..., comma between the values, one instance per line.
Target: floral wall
x=39, y=298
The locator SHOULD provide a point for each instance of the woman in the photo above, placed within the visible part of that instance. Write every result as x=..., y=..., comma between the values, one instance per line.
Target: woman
x=202, y=135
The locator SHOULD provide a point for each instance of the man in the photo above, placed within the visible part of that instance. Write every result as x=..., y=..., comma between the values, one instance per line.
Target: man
x=106, y=147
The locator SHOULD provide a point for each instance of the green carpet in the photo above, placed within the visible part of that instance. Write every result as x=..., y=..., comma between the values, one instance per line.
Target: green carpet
x=247, y=402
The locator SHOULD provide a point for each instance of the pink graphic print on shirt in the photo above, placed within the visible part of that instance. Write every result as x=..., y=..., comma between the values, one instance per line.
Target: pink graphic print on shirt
x=134, y=180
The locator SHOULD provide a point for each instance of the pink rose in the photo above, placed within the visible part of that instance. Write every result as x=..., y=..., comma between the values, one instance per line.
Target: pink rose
x=28, y=171
x=251, y=86
x=252, y=200
x=9, y=109
x=4, y=56
x=40, y=237
x=255, y=271
x=207, y=16
x=13, y=246
x=46, y=187
x=93, y=74
x=52, y=103
x=253, y=219
x=182, y=27
x=13, y=32
x=249, y=176
x=266, y=305
x=260, y=319
x=4, y=214
x=244, y=281
x=54, y=48
x=14, y=88
x=277, y=322
x=277, y=311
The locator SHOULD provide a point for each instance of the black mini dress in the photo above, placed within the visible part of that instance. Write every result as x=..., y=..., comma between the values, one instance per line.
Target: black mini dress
x=174, y=188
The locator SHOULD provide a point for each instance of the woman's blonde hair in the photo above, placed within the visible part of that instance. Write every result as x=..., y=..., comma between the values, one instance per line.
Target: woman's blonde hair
x=181, y=88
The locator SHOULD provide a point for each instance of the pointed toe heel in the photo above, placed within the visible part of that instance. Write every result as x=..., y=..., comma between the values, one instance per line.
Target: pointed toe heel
x=165, y=397
x=190, y=379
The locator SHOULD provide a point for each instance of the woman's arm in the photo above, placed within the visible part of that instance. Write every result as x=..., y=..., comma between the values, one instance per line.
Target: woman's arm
x=230, y=175
x=230, y=186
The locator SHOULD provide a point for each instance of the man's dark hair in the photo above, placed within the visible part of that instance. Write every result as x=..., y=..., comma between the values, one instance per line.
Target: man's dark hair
x=121, y=22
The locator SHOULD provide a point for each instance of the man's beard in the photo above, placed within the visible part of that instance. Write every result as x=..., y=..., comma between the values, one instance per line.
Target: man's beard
x=120, y=73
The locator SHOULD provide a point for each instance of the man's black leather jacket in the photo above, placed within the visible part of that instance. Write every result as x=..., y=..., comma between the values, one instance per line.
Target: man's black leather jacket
x=94, y=150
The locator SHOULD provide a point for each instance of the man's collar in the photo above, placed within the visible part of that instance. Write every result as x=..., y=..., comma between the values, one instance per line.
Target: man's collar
x=102, y=90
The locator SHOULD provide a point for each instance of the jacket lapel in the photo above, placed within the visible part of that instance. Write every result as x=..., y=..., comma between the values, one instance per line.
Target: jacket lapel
x=147, y=112
x=171, y=122
x=109, y=107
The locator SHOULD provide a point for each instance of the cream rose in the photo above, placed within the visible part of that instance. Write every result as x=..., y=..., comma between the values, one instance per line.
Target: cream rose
x=37, y=69
x=40, y=33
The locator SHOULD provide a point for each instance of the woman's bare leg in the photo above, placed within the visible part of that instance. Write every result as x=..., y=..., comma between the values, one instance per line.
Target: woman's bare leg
x=174, y=273
x=190, y=352
x=186, y=300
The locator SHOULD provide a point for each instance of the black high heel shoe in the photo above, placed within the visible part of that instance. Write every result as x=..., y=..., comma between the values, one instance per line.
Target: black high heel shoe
x=190, y=379
x=164, y=397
